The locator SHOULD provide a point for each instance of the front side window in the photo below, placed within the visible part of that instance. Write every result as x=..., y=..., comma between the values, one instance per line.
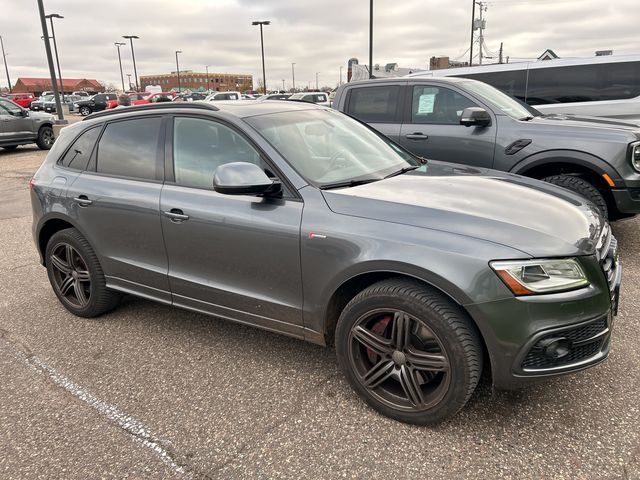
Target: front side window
x=438, y=105
x=326, y=147
x=77, y=157
x=375, y=104
x=129, y=148
x=200, y=146
x=10, y=108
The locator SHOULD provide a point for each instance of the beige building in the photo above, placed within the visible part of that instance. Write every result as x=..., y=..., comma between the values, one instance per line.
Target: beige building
x=196, y=81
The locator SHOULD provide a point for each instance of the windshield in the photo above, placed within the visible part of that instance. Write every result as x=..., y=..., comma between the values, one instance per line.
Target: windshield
x=328, y=147
x=47, y=98
x=508, y=105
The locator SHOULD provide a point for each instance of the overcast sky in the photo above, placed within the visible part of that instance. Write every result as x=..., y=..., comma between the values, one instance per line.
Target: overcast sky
x=317, y=36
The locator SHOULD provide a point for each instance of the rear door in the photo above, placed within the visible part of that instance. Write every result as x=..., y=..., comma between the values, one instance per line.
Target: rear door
x=378, y=105
x=117, y=201
x=432, y=127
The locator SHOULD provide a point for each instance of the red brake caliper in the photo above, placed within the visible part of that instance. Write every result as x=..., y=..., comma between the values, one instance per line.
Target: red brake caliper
x=378, y=328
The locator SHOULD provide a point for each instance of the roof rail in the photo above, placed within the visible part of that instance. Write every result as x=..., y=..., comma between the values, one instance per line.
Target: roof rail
x=154, y=106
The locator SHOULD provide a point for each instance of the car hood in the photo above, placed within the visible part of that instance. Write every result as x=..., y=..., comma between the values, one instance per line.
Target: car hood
x=537, y=218
x=589, y=122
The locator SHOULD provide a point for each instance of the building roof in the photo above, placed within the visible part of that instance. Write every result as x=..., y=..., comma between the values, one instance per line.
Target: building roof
x=67, y=83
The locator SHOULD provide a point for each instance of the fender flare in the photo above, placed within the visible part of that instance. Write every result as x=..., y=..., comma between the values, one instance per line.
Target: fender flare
x=575, y=157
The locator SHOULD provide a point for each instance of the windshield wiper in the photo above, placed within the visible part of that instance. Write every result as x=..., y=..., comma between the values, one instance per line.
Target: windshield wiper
x=347, y=183
x=403, y=170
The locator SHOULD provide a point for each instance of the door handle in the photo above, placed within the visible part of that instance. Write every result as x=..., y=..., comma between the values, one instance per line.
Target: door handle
x=83, y=201
x=416, y=136
x=176, y=215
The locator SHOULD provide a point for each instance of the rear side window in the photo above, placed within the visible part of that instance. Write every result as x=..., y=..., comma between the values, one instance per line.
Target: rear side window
x=130, y=148
x=77, y=157
x=375, y=104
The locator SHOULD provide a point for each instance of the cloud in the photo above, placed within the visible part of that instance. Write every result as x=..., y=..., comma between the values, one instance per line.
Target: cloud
x=318, y=37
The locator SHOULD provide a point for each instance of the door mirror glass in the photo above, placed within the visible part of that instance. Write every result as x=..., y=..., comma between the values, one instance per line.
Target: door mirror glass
x=243, y=178
x=475, y=117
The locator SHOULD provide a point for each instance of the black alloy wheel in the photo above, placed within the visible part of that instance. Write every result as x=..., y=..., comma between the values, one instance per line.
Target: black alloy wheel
x=399, y=360
x=85, y=111
x=71, y=275
x=76, y=275
x=409, y=351
x=45, y=138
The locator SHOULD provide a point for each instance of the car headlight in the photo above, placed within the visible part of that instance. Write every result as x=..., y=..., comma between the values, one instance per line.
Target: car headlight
x=635, y=156
x=530, y=277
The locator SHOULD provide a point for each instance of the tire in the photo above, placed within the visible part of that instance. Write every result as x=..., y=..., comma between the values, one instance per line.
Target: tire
x=426, y=375
x=76, y=275
x=84, y=111
x=581, y=187
x=45, y=137
x=10, y=148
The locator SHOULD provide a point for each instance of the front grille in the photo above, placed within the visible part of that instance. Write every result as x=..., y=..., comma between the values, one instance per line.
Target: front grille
x=585, y=342
x=607, y=251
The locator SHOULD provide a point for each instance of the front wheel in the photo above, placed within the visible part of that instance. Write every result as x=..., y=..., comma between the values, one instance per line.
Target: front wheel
x=408, y=351
x=76, y=275
x=581, y=187
x=45, y=138
x=85, y=111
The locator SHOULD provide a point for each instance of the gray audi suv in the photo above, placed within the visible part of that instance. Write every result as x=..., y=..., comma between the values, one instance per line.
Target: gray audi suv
x=298, y=219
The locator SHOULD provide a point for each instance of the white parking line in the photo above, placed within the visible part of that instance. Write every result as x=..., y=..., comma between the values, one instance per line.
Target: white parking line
x=135, y=428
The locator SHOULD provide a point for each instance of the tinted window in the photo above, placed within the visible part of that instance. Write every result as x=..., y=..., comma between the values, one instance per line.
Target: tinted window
x=374, y=104
x=512, y=83
x=584, y=83
x=10, y=108
x=129, y=148
x=200, y=146
x=78, y=155
x=438, y=105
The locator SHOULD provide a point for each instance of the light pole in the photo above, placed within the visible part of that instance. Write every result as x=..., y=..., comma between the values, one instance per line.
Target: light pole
x=371, y=39
x=118, y=45
x=207, y=68
x=51, y=16
x=52, y=71
x=317, y=87
x=178, y=69
x=293, y=77
x=129, y=80
x=6, y=68
x=133, y=56
x=261, y=23
x=283, y=85
x=340, y=82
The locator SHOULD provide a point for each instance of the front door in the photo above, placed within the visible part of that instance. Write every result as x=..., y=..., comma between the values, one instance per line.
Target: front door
x=14, y=126
x=236, y=256
x=432, y=128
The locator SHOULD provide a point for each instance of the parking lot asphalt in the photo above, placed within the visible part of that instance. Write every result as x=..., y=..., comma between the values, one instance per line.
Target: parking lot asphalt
x=148, y=391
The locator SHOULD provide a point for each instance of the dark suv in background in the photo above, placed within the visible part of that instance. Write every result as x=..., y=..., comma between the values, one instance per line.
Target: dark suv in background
x=470, y=122
x=96, y=103
x=298, y=219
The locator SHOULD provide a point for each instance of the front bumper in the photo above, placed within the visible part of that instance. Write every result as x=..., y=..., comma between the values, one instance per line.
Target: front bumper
x=627, y=199
x=520, y=332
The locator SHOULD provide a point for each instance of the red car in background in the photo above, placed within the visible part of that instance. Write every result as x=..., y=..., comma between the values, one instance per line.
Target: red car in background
x=154, y=98
x=22, y=99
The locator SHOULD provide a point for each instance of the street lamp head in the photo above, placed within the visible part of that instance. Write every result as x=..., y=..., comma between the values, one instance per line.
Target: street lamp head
x=130, y=36
x=178, y=51
x=53, y=15
x=263, y=22
x=119, y=44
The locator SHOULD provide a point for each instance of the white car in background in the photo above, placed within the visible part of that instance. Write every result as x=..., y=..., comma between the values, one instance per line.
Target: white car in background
x=319, y=98
x=224, y=96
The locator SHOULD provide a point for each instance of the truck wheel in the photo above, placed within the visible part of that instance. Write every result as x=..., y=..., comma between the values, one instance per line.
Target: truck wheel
x=45, y=138
x=408, y=351
x=84, y=111
x=581, y=187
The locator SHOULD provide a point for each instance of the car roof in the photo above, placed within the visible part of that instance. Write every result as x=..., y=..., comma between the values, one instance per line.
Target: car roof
x=412, y=79
x=237, y=108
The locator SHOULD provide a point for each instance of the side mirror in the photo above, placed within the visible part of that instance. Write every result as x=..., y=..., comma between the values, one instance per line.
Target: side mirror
x=243, y=178
x=475, y=117
x=25, y=113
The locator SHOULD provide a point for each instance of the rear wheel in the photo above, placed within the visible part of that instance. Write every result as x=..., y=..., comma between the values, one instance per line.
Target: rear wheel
x=408, y=351
x=84, y=111
x=76, y=275
x=45, y=138
x=583, y=188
